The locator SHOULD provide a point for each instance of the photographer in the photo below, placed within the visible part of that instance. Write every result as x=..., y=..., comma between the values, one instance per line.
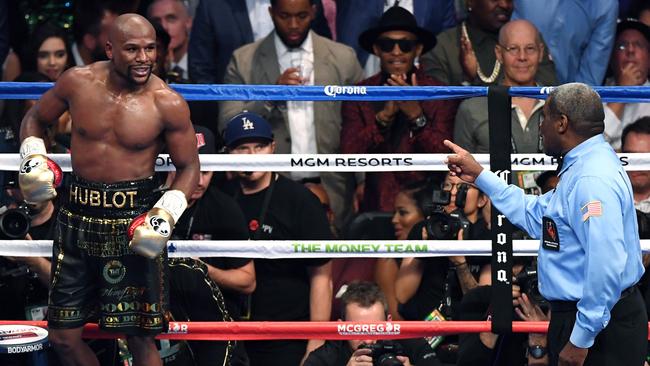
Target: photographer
x=24, y=279
x=364, y=302
x=509, y=350
x=423, y=283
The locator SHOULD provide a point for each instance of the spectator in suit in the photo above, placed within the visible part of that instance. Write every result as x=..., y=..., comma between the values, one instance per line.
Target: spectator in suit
x=222, y=26
x=295, y=55
x=355, y=16
x=395, y=126
x=465, y=54
x=175, y=18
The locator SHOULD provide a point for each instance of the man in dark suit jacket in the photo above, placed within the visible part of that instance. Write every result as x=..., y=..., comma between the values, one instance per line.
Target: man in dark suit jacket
x=219, y=28
x=355, y=16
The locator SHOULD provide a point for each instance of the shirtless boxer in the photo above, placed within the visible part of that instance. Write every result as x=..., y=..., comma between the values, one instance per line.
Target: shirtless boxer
x=109, y=257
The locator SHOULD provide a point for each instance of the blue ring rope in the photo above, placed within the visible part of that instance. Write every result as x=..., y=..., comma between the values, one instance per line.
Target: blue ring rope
x=195, y=92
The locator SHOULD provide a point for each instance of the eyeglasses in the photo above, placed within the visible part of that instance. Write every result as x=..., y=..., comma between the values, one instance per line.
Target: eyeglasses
x=448, y=186
x=625, y=45
x=530, y=49
x=388, y=44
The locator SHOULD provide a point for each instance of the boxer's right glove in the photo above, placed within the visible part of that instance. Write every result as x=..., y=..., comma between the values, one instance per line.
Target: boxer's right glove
x=38, y=176
x=149, y=232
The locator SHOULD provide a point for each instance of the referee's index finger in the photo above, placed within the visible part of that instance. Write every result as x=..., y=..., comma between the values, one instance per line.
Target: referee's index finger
x=453, y=147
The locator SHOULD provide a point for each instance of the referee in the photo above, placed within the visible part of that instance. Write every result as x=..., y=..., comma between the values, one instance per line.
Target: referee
x=590, y=254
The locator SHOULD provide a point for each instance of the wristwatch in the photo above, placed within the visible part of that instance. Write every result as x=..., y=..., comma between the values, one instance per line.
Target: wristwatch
x=536, y=351
x=419, y=122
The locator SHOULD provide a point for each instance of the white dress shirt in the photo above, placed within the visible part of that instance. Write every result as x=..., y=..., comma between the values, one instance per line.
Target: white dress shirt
x=258, y=13
x=300, y=113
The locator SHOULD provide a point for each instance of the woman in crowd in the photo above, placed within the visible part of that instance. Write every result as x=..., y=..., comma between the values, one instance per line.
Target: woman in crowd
x=49, y=53
x=406, y=215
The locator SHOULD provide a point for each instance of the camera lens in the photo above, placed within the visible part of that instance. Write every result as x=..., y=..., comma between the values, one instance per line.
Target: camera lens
x=14, y=224
x=388, y=359
x=441, y=227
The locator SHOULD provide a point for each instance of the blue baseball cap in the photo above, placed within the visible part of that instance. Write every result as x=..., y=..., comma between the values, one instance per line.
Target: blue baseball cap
x=247, y=125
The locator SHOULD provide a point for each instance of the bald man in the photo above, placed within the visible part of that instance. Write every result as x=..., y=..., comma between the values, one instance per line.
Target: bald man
x=109, y=254
x=520, y=51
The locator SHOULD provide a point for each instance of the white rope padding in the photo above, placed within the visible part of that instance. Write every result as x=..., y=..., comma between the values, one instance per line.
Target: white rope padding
x=306, y=248
x=341, y=162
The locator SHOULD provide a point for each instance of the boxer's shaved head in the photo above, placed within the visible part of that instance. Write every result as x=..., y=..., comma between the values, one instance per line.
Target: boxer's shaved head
x=131, y=47
x=131, y=26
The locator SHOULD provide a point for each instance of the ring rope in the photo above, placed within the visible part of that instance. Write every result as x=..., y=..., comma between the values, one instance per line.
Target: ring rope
x=309, y=330
x=215, y=331
x=27, y=90
x=275, y=249
x=341, y=162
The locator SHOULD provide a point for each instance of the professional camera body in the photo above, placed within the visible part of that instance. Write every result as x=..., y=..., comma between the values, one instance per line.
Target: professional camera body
x=384, y=353
x=442, y=225
x=527, y=281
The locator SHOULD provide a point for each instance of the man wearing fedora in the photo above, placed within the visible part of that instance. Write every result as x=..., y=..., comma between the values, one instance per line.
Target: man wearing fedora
x=394, y=126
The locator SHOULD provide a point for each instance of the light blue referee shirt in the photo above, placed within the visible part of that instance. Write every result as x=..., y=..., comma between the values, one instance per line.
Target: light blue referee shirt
x=591, y=214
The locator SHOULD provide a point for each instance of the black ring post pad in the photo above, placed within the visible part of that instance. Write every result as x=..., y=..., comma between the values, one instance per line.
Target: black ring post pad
x=499, y=115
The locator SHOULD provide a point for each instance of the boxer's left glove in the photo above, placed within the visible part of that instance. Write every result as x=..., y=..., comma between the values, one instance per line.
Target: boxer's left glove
x=38, y=176
x=149, y=232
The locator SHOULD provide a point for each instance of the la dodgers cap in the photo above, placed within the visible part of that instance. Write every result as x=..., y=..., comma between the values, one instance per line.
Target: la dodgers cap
x=247, y=125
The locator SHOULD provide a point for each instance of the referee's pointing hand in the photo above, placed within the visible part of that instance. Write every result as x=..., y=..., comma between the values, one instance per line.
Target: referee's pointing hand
x=462, y=164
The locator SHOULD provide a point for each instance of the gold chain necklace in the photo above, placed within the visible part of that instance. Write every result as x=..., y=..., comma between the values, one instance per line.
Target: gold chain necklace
x=481, y=75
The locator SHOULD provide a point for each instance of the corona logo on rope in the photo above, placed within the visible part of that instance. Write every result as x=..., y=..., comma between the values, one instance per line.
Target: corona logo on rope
x=546, y=90
x=387, y=328
x=334, y=90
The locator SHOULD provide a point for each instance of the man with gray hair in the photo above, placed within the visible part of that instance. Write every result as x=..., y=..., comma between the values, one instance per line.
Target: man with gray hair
x=174, y=17
x=589, y=260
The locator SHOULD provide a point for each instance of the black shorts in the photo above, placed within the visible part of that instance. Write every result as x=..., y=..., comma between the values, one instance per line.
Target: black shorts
x=94, y=272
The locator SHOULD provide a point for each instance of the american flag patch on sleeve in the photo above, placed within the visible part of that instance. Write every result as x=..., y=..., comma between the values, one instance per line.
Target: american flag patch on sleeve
x=593, y=208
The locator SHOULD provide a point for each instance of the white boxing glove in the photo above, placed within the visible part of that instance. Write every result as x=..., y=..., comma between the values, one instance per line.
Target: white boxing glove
x=149, y=232
x=38, y=176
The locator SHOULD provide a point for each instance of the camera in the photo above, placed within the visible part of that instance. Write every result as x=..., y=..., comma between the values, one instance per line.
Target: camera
x=441, y=225
x=527, y=281
x=15, y=222
x=384, y=353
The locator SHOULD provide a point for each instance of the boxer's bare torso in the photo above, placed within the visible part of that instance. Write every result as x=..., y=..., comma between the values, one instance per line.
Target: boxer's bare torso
x=116, y=136
x=122, y=115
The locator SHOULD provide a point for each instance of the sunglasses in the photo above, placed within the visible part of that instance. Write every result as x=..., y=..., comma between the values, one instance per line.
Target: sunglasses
x=388, y=44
